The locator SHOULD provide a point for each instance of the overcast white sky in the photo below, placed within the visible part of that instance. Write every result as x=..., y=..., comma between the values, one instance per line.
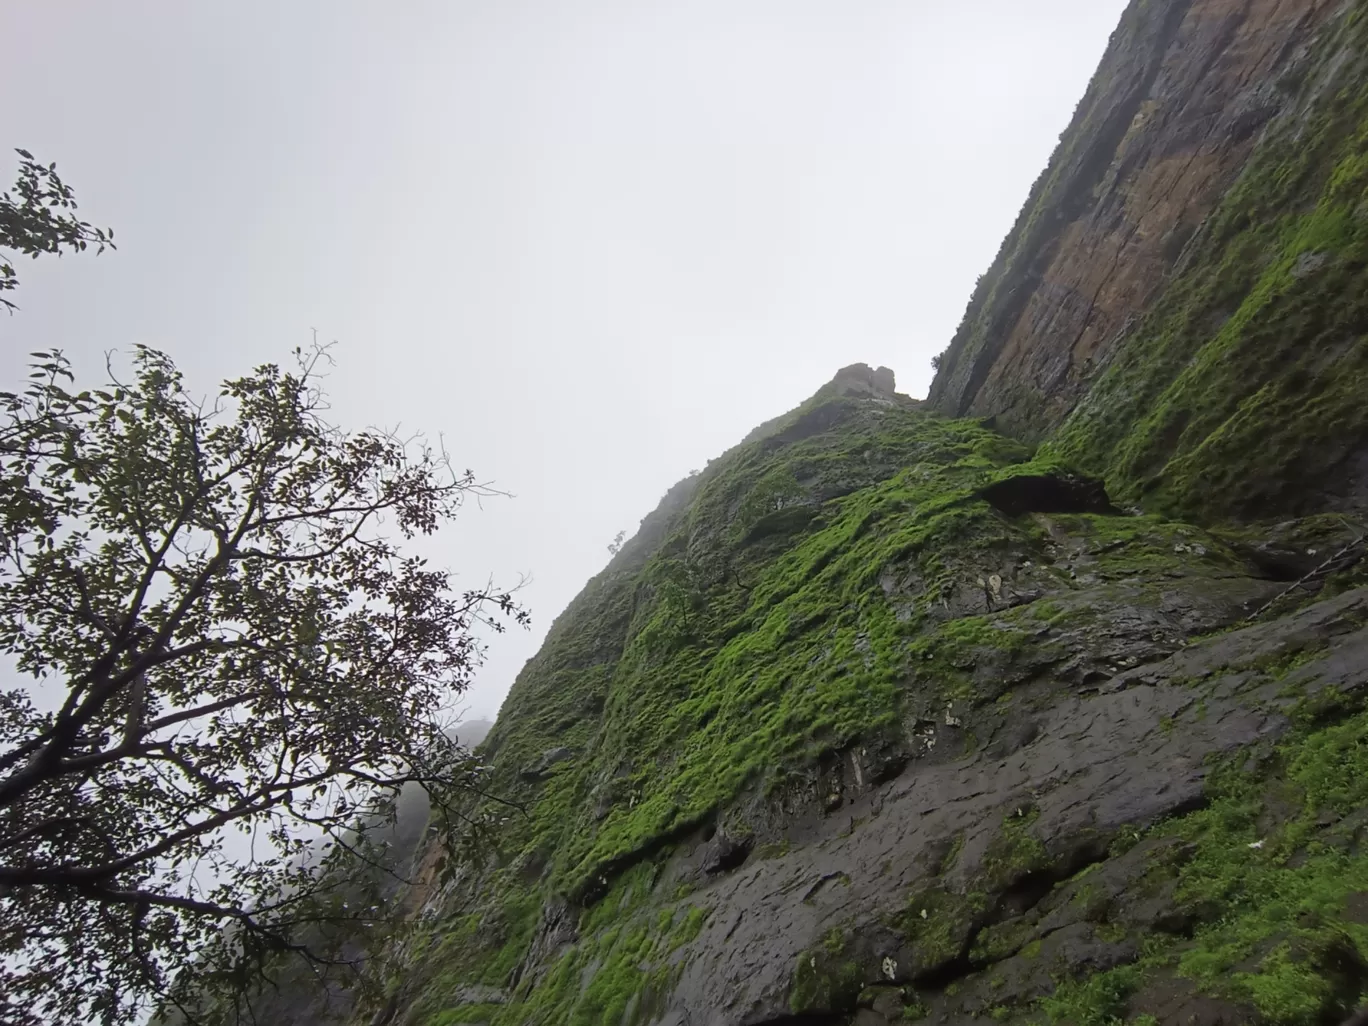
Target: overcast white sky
x=592, y=243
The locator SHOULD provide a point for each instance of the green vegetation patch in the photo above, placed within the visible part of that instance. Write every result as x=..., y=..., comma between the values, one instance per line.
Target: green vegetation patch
x=938, y=924
x=724, y=660
x=617, y=972
x=827, y=979
x=1278, y=883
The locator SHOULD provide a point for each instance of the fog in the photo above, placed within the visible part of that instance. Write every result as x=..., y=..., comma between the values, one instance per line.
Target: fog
x=591, y=244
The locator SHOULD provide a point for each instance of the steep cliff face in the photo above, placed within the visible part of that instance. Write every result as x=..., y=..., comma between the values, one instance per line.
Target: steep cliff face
x=843, y=731
x=1181, y=304
x=894, y=713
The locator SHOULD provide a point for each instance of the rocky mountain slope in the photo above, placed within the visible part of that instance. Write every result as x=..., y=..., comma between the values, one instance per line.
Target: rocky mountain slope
x=880, y=717
x=1042, y=701
x=1181, y=305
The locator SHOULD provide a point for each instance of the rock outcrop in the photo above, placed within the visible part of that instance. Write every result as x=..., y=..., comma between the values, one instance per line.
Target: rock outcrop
x=860, y=379
x=1180, y=306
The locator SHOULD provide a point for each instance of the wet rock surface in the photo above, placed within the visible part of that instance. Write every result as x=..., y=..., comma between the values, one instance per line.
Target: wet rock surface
x=726, y=853
x=969, y=715
x=1048, y=493
x=549, y=758
x=1166, y=126
x=1041, y=690
x=1094, y=767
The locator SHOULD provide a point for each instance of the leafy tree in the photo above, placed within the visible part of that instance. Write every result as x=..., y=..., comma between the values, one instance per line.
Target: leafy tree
x=219, y=642
x=38, y=217
x=679, y=596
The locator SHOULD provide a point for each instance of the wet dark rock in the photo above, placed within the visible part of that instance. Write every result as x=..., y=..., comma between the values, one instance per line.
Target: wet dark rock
x=1110, y=743
x=1304, y=550
x=556, y=931
x=1171, y=999
x=539, y=769
x=1048, y=493
x=726, y=853
x=1013, y=736
x=973, y=845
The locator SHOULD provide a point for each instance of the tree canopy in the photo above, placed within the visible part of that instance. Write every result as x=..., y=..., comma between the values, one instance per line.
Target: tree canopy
x=38, y=217
x=218, y=633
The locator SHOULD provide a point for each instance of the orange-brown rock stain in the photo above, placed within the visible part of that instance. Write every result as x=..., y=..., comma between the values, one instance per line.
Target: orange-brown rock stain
x=1087, y=281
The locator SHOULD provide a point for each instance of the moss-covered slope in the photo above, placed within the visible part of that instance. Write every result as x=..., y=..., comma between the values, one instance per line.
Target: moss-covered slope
x=868, y=660
x=754, y=636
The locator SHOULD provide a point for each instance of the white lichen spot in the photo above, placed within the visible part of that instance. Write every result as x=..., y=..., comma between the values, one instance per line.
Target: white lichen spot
x=995, y=585
x=1256, y=844
x=951, y=720
x=813, y=961
x=923, y=913
x=858, y=769
x=890, y=969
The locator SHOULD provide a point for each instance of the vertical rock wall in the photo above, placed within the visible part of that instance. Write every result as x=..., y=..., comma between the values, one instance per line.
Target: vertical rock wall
x=1187, y=269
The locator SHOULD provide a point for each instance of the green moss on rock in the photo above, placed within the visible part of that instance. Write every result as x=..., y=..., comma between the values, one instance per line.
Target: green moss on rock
x=827, y=979
x=1240, y=393
x=1275, y=877
x=938, y=924
x=721, y=661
